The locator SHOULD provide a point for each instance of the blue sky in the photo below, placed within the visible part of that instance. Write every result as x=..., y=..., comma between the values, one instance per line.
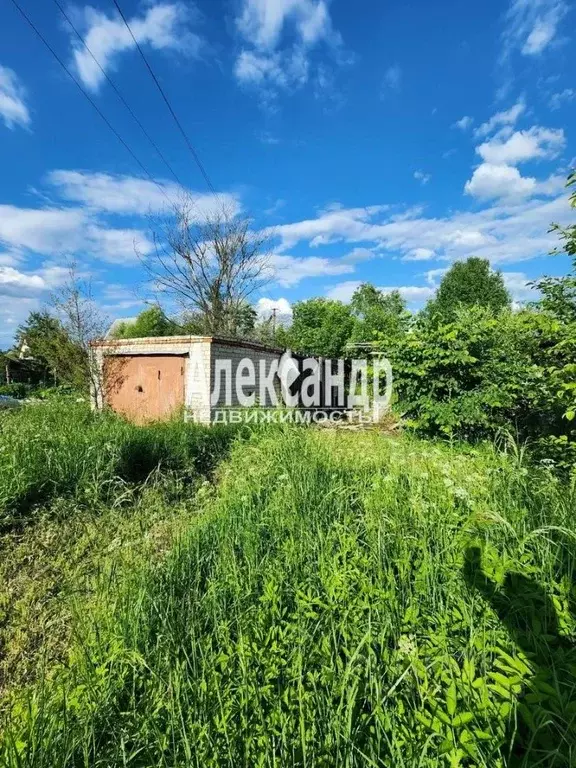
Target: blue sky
x=381, y=140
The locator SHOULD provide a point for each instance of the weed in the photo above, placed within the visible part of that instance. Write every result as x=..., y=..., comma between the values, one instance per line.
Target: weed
x=344, y=600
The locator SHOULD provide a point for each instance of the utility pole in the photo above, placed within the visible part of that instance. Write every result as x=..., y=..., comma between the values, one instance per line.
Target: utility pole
x=273, y=318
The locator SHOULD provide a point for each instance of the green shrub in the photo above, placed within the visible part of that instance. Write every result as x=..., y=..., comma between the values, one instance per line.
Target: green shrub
x=62, y=390
x=481, y=373
x=17, y=389
x=466, y=378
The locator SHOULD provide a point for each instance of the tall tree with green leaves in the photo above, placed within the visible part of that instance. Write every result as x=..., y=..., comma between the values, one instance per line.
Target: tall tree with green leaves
x=319, y=327
x=378, y=316
x=150, y=322
x=469, y=283
x=51, y=346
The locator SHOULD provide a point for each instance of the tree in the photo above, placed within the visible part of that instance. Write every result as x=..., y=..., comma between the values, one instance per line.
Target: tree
x=470, y=376
x=378, y=316
x=246, y=317
x=51, y=346
x=558, y=302
x=61, y=339
x=559, y=293
x=210, y=266
x=150, y=322
x=319, y=327
x=469, y=283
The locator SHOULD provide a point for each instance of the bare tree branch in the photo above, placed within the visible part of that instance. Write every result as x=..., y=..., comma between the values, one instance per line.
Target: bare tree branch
x=210, y=265
x=83, y=323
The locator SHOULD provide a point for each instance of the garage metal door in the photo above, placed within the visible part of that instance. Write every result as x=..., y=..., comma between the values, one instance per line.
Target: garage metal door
x=144, y=387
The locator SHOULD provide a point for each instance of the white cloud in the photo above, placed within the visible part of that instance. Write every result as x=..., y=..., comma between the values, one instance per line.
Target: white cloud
x=56, y=231
x=358, y=255
x=289, y=270
x=521, y=146
x=562, y=97
x=507, y=117
x=518, y=285
x=422, y=177
x=13, y=311
x=117, y=246
x=330, y=226
x=264, y=307
x=16, y=283
x=392, y=80
x=434, y=276
x=262, y=21
x=489, y=181
x=23, y=292
x=162, y=27
x=10, y=258
x=13, y=109
x=419, y=254
x=268, y=138
x=532, y=25
x=131, y=195
x=279, y=70
x=415, y=294
x=464, y=123
x=45, y=230
x=263, y=24
x=501, y=233
x=541, y=35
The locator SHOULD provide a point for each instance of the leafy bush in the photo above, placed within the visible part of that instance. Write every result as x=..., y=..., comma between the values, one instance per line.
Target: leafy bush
x=481, y=373
x=16, y=389
x=58, y=392
x=468, y=377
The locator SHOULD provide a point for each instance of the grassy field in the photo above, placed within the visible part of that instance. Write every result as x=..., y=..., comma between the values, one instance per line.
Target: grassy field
x=61, y=449
x=327, y=599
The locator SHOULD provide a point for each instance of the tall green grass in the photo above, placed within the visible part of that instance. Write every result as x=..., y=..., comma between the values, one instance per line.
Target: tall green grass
x=347, y=600
x=61, y=448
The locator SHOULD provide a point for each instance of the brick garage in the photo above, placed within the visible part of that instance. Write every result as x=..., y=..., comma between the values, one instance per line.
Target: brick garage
x=152, y=378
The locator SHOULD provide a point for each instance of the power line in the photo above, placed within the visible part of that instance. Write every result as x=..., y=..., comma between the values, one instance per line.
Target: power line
x=118, y=93
x=172, y=112
x=96, y=107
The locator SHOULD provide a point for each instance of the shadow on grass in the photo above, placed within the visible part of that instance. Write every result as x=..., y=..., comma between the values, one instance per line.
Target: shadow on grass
x=545, y=731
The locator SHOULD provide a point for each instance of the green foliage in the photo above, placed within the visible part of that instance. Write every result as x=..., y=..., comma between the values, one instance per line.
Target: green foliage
x=150, y=322
x=559, y=301
x=344, y=600
x=48, y=568
x=378, y=316
x=319, y=327
x=16, y=389
x=154, y=322
x=470, y=376
x=470, y=283
x=245, y=321
x=568, y=234
x=51, y=345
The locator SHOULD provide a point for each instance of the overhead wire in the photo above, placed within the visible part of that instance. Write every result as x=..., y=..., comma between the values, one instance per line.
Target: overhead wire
x=167, y=102
x=118, y=92
x=89, y=98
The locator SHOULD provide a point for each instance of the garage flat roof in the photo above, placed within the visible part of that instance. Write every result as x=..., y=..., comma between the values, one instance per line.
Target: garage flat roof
x=158, y=341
